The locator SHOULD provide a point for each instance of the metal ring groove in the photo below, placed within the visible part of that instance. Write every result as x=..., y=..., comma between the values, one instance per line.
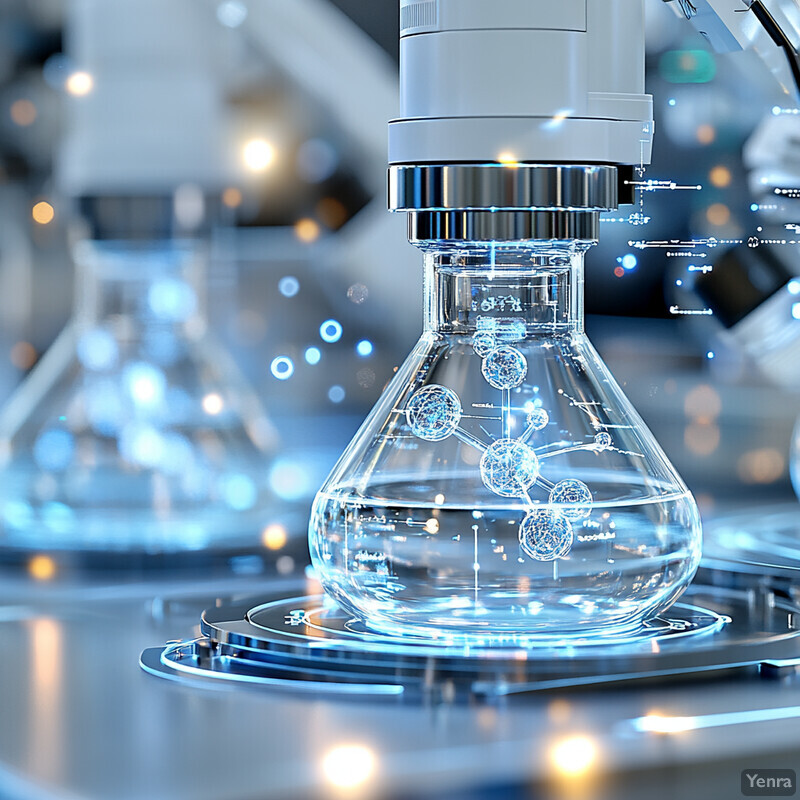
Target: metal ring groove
x=503, y=226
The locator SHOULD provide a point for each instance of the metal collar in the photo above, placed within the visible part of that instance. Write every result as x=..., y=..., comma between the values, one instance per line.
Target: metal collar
x=510, y=187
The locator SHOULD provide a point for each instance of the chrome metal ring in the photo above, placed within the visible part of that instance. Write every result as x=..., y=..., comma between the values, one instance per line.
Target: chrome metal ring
x=503, y=226
x=511, y=187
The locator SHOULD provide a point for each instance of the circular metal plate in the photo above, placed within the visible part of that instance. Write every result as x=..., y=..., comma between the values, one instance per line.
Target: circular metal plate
x=304, y=644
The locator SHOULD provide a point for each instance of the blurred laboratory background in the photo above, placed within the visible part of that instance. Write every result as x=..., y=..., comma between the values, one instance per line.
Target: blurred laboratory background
x=202, y=295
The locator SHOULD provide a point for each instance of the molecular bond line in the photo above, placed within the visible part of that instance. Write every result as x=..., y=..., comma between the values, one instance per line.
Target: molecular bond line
x=510, y=467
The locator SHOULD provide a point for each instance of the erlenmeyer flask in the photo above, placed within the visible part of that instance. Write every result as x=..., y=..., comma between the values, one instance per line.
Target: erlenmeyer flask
x=504, y=485
x=135, y=431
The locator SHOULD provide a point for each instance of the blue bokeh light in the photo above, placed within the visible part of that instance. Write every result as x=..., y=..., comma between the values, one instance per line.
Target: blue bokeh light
x=282, y=368
x=364, y=348
x=238, y=491
x=794, y=287
x=629, y=261
x=97, y=350
x=313, y=355
x=54, y=449
x=288, y=286
x=330, y=331
x=336, y=394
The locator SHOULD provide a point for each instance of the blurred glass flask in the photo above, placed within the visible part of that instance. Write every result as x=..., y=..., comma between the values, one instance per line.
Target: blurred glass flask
x=504, y=487
x=135, y=431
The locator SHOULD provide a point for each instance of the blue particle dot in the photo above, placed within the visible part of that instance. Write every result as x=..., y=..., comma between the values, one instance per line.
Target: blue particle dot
x=710, y=355
x=776, y=110
x=679, y=282
x=282, y=368
x=754, y=206
x=330, y=331
x=336, y=394
x=364, y=348
x=794, y=287
x=672, y=101
x=313, y=355
x=796, y=310
x=629, y=261
x=288, y=286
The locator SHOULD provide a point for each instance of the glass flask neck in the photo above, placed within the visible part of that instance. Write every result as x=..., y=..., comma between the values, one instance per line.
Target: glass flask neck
x=480, y=285
x=129, y=285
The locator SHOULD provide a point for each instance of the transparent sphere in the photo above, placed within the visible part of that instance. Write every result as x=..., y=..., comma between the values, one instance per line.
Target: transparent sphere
x=509, y=468
x=538, y=419
x=434, y=413
x=573, y=497
x=546, y=535
x=603, y=440
x=483, y=342
x=505, y=368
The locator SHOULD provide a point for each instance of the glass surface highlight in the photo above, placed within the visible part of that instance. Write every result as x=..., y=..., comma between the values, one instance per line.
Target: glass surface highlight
x=504, y=485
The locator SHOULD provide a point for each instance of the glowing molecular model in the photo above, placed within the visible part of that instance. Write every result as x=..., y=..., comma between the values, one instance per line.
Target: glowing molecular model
x=510, y=467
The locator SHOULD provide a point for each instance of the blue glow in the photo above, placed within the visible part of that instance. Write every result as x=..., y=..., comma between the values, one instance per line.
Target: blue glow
x=232, y=13
x=672, y=101
x=754, y=206
x=710, y=355
x=58, y=516
x=336, y=394
x=17, y=514
x=330, y=331
x=246, y=565
x=172, y=300
x=776, y=110
x=97, y=350
x=141, y=445
x=794, y=287
x=282, y=368
x=145, y=383
x=238, y=491
x=290, y=481
x=679, y=282
x=796, y=310
x=629, y=261
x=313, y=355
x=289, y=286
x=54, y=449
x=104, y=408
x=364, y=348
x=178, y=455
